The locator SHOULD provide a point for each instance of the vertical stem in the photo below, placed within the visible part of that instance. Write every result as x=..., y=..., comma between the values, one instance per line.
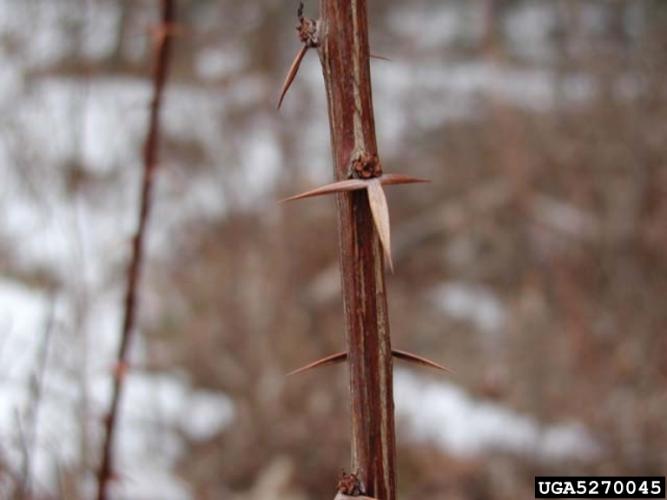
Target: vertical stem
x=162, y=54
x=32, y=412
x=344, y=53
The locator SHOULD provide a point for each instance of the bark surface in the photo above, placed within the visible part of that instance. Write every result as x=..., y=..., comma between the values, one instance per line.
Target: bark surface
x=344, y=53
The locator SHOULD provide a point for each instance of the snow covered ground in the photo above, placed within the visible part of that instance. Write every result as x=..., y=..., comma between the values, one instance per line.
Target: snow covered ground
x=433, y=410
x=442, y=413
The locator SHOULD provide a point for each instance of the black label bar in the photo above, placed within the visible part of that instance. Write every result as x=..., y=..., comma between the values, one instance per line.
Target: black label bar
x=599, y=487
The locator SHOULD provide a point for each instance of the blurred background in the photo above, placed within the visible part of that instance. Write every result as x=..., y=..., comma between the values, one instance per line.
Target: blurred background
x=534, y=265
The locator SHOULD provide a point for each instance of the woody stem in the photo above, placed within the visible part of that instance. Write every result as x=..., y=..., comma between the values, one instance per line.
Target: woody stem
x=344, y=53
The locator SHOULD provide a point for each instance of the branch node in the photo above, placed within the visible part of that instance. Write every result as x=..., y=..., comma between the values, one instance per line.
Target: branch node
x=349, y=484
x=365, y=165
x=309, y=34
x=308, y=29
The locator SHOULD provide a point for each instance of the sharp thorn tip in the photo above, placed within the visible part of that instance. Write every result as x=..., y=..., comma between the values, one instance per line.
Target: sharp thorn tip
x=413, y=358
x=291, y=74
x=333, y=358
x=334, y=187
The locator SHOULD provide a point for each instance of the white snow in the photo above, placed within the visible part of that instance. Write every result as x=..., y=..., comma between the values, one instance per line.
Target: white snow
x=472, y=303
x=429, y=28
x=156, y=408
x=214, y=64
x=443, y=413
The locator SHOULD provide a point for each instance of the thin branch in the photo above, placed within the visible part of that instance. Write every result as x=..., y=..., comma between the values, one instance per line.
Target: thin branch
x=162, y=55
x=22, y=491
x=36, y=391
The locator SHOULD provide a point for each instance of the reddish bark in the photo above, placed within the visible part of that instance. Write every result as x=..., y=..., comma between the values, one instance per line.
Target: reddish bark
x=163, y=37
x=344, y=53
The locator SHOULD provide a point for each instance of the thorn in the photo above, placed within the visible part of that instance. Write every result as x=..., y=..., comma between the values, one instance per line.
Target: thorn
x=333, y=358
x=378, y=203
x=334, y=187
x=413, y=358
x=291, y=74
x=397, y=353
x=349, y=486
x=355, y=184
x=376, y=198
x=391, y=179
x=381, y=58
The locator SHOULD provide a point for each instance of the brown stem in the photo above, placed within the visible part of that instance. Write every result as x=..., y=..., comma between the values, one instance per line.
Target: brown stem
x=162, y=55
x=344, y=54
